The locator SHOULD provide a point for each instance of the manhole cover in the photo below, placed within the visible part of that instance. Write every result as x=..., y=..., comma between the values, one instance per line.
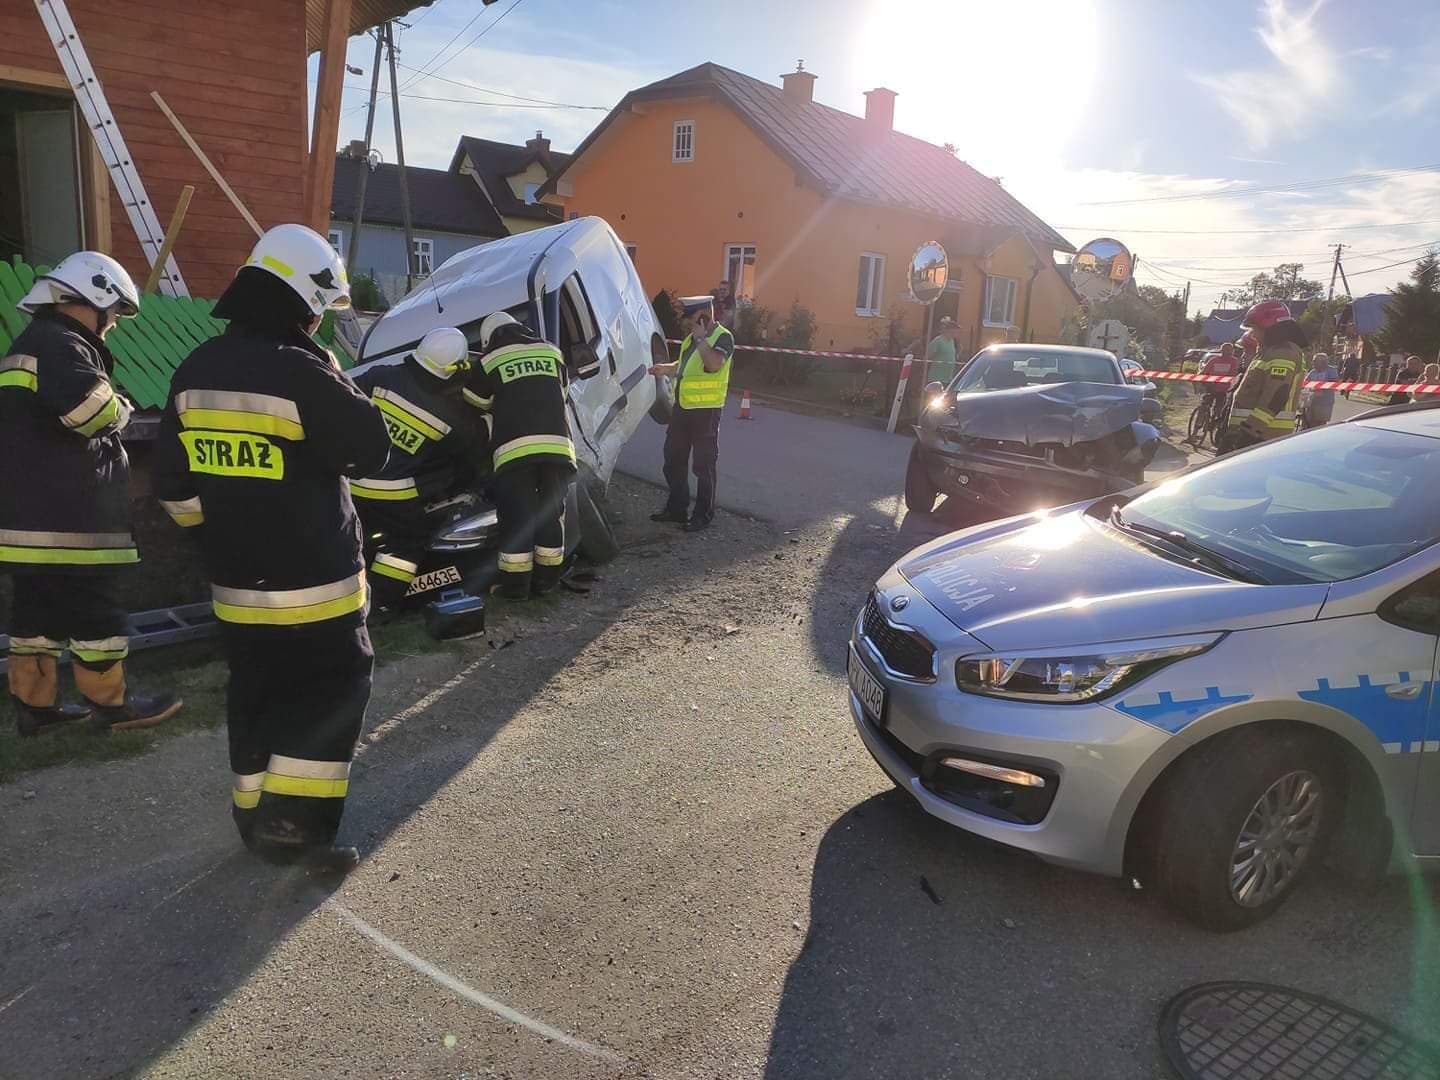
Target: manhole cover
x=1251, y=1031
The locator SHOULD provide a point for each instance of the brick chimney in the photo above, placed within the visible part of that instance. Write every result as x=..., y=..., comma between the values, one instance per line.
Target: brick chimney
x=799, y=84
x=880, y=108
x=356, y=150
x=539, y=146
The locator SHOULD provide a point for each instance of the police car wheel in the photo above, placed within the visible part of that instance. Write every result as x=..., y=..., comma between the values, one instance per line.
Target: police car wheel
x=1243, y=820
x=920, y=492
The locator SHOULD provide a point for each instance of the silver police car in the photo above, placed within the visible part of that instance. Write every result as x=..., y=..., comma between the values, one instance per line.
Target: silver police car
x=1210, y=684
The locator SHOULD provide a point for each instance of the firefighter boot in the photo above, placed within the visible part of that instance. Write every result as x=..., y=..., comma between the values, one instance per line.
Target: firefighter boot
x=34, y=689
x=515, y=570
x=284, y=843
x=117, y=710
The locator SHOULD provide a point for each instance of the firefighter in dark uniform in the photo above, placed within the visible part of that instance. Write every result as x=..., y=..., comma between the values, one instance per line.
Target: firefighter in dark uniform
x=437, y=446
x=519, y=381
x=255, y=444
x=703, y=371
x=65, y=531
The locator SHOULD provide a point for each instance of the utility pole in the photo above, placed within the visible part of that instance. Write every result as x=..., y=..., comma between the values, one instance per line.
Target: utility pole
x=352, y=249
x=400, y=162
x=1325, y=337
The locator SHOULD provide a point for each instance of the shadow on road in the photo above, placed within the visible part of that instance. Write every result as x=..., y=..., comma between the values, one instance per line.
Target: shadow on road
x=931, y=953
x=111, y=954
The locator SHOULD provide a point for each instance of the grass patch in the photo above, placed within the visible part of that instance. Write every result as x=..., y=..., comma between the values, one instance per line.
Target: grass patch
x=197, y=672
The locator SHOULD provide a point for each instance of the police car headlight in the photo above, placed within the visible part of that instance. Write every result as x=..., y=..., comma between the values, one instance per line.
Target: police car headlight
x=1067, y=678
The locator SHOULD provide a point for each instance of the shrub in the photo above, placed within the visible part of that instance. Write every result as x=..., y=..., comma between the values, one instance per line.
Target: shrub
x=366, y=295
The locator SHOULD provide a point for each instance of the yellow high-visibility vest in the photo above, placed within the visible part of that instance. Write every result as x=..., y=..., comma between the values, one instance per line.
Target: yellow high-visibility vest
x=701, y=389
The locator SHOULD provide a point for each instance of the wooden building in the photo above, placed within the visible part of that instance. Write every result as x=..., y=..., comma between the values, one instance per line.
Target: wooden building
x=234, y=74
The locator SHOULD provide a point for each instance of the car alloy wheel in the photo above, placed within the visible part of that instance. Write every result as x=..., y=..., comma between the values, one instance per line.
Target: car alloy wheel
x=1277, y=839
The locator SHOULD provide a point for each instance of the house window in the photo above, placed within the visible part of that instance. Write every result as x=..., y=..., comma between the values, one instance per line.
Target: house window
x=869, y=294
x=530, y=190
x=1000, y=301
x=337, y=239
x=683, y=147
x=424, y=255
x=740, y=270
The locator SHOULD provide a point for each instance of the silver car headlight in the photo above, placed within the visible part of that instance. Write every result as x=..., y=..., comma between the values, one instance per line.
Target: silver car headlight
x=1071, y=676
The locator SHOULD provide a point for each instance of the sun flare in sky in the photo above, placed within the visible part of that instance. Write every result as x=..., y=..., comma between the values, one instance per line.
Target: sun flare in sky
x=1008, y=83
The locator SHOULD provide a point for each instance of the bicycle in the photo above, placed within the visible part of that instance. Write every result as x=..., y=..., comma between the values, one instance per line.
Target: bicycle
x=1207, y=420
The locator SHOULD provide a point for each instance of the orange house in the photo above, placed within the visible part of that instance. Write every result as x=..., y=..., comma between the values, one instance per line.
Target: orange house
x=711, y=175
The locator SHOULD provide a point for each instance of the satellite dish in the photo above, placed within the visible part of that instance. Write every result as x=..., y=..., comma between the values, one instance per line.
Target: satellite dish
x=929, y=270
x=1101, y=268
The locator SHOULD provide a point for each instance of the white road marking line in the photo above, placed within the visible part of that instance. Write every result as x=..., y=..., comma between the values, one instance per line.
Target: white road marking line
x=444, y=689
x=455, y=986
x=17, y=997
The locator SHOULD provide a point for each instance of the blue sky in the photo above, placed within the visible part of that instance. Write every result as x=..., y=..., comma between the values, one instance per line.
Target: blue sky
x=1096, y=113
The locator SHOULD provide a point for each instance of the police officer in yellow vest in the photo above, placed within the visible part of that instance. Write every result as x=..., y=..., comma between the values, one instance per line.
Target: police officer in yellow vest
x=703, y=371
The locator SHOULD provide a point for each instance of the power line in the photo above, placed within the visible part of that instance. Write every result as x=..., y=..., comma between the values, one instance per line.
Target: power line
x=489, y=104
x=1111, y=230
x=1262, y=189
x=453, y=38
x=498, y=93
x=432, y=66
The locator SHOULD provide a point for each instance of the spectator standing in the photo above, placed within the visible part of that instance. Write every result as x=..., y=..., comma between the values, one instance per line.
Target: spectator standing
x=941, y=356
x=1431, y=377
x=724, y=304
x=1411, y=374
x=1320, y=404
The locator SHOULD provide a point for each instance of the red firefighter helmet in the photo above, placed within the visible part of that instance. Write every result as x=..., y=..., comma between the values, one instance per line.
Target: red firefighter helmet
x=1266, y=314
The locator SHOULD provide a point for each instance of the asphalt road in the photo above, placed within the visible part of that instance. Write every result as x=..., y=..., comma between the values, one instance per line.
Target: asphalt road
x=629, y=833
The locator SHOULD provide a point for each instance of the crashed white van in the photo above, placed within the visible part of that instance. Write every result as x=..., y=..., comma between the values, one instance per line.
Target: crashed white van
x=575, y=286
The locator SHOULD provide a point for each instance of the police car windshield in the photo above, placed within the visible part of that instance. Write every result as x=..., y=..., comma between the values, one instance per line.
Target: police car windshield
x=1332, y=504
x=1011, y=369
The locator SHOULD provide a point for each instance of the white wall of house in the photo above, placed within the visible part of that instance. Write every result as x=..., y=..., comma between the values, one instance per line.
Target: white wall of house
x=382, y=251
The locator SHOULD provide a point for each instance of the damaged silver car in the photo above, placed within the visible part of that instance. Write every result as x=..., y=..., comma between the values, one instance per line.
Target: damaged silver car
x=1028, y=426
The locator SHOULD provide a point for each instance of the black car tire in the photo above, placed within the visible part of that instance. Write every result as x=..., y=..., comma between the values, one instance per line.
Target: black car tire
x=920, y=491
x=1210, y=797
x=597, y=535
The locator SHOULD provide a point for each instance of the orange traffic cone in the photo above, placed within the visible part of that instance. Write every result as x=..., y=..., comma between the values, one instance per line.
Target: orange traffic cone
x=745, y=405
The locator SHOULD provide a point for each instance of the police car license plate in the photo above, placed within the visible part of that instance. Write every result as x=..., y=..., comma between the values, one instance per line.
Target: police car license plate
x=867, y=688
x=433, y=580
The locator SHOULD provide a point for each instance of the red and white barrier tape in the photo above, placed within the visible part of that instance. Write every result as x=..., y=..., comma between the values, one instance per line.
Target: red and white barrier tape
x=808, y=352
x=1319, y=384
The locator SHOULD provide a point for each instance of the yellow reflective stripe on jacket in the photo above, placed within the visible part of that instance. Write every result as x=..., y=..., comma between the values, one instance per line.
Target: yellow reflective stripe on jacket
x=289, y=607
x=548, y=356
x=66, y=548
x=184, y=512
x=472, y=398
x=409, y=413
x=392, y=566
x=97, y=409
x=245, y=790
x=530, y=445
x=100, y=649
x=384, y=489
x=305, y=778
x=701, y=389
x=226, y=410
x=21, y=371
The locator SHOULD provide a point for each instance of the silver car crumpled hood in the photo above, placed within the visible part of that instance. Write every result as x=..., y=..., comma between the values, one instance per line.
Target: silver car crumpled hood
x=1063, y=413
x=1042, y=581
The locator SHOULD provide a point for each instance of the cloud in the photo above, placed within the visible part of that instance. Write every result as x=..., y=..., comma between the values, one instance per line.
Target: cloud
x=1284, y=98
x=1220, y=243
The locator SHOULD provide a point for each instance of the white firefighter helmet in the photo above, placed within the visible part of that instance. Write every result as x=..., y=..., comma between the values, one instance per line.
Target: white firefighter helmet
x=89, y=277
x=492, y=323
x=305, y=261
x=443, y=352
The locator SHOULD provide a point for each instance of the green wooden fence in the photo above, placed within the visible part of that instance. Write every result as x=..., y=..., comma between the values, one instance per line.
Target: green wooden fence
x=147, y=348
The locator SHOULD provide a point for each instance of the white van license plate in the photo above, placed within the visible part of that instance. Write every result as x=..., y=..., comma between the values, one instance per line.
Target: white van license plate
x=867, y=688
x=433, y=580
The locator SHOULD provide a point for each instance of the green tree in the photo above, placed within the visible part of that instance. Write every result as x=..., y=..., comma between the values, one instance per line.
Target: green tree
x=1412, y=318
x=1282, y=283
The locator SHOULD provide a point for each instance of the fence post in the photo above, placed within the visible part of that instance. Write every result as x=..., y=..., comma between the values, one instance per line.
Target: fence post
x=900, y=393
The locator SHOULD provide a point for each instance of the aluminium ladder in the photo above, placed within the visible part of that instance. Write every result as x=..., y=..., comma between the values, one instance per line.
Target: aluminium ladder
x=90, y=96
